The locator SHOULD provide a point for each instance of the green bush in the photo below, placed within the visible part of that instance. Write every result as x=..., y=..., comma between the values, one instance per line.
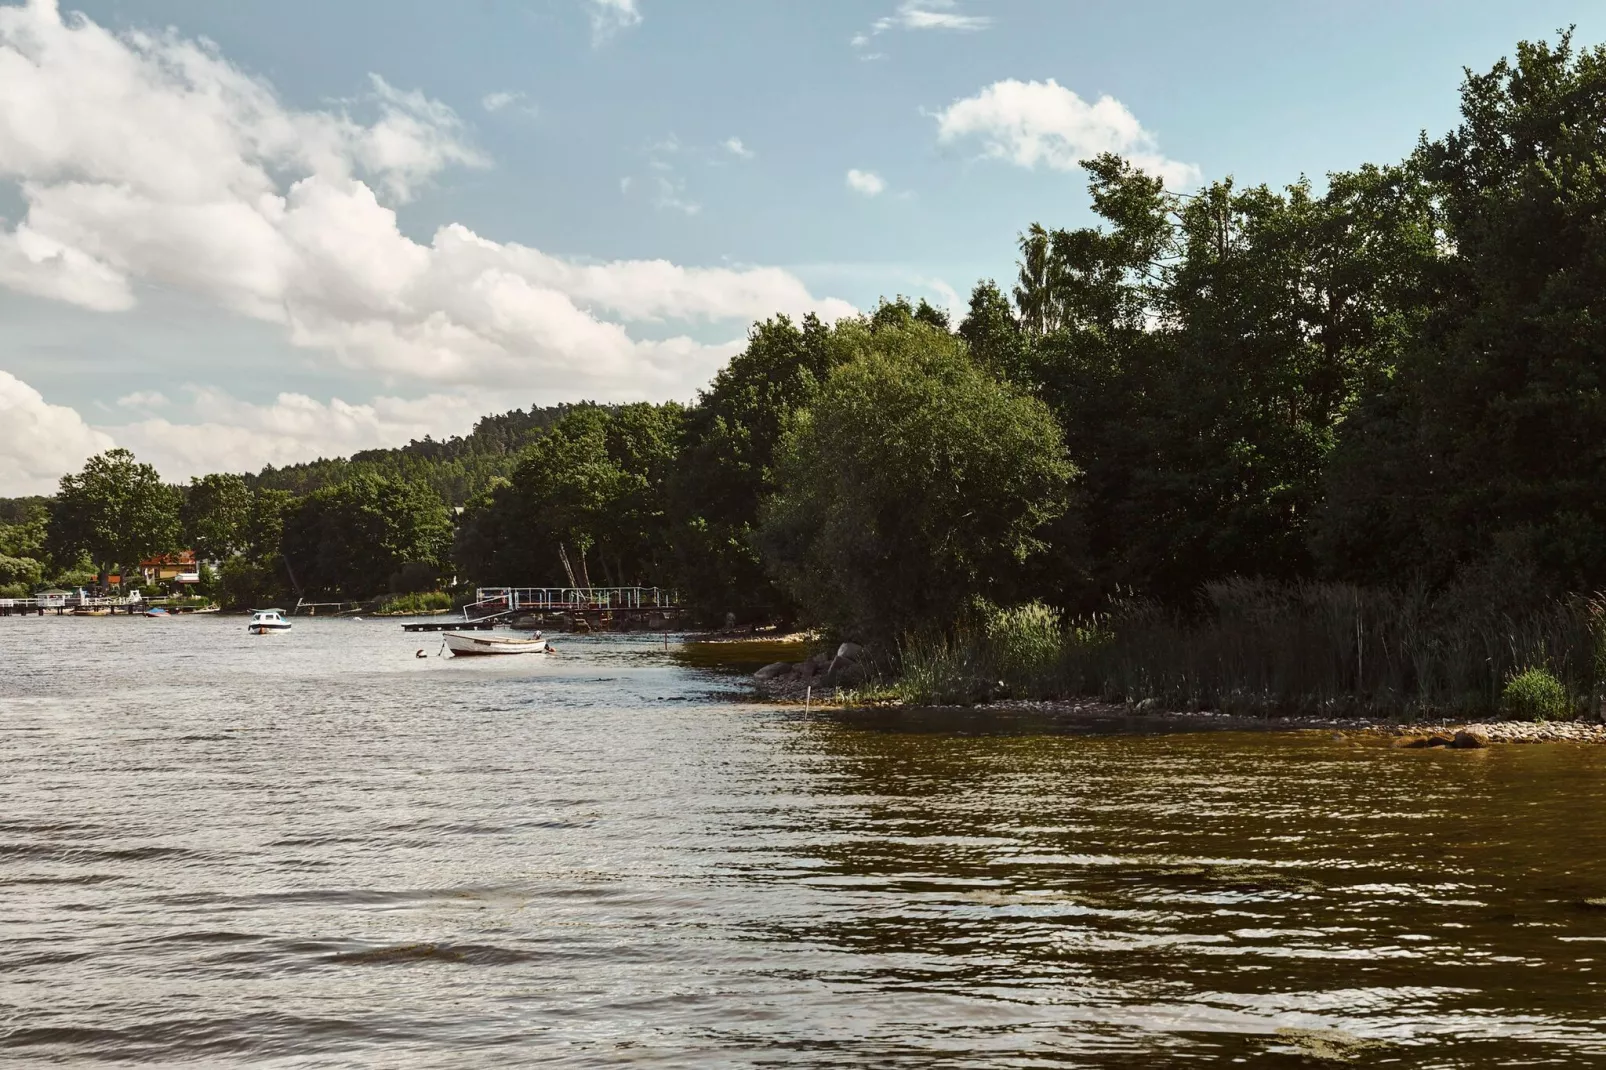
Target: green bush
x=72, y=578
x=409, y=604
x=1535, y=695
x=20, y=570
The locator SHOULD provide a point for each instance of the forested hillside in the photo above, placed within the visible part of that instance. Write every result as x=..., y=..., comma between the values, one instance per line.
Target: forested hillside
x=455, y=469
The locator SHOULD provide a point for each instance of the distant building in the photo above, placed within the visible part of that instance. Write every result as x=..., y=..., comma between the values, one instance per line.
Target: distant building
x=177, y=567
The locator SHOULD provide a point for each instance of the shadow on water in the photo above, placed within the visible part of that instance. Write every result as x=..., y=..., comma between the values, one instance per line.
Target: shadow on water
x=737, y=657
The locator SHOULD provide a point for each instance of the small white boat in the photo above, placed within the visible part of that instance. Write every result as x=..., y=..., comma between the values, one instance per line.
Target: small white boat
x=264, y=621
x=468, y=645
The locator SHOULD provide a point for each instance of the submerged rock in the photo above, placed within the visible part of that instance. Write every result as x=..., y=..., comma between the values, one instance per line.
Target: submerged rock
x=1465, y=740
x=1418, y=742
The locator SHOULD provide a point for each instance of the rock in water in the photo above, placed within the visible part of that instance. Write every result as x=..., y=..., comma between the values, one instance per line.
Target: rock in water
x=1464, y=740
x=1418, y=742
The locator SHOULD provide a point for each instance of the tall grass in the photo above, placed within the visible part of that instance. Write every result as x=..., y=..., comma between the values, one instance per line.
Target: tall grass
x=1255, y=646
x=401, y=605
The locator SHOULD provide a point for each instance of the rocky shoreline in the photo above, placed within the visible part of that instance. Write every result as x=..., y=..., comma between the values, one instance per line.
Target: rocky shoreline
x=820, y=679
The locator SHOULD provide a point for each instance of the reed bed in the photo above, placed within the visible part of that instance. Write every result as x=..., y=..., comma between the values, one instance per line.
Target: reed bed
x=1255, y=646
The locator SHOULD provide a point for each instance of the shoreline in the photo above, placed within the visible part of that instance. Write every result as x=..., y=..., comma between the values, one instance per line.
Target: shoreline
x=1425, y=733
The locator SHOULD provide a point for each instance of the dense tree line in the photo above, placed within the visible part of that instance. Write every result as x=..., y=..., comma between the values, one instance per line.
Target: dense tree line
x=1393, y=378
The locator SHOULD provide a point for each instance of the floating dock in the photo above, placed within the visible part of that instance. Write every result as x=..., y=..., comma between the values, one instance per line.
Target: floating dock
x=450, y=626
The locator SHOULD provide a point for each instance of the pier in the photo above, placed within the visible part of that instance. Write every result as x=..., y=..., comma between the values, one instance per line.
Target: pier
x=61, y=606
x=585, y=609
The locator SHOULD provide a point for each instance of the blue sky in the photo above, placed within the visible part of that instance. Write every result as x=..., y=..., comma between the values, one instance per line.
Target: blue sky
x=593, y=198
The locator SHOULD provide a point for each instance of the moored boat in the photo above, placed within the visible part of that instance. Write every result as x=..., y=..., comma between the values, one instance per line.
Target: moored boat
x=462, y=645
x=264, y=621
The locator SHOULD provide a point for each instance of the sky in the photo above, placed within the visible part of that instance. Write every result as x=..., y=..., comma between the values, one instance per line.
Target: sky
x=264, y=231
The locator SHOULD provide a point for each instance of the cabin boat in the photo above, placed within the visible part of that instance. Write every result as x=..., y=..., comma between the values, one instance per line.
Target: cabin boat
x=469, y=645
x=264, y=621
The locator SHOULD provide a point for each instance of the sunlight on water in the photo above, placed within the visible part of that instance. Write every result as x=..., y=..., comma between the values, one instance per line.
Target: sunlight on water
x=320, y=849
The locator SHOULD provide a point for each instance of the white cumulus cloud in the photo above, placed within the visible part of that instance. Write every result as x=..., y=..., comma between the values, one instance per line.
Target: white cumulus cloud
x=1032, y=123
x=734, y=146
x=150, y=159
x=866, y=182
x=40, y=442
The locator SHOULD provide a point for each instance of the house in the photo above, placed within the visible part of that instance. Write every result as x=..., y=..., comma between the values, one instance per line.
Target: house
x=177, y=567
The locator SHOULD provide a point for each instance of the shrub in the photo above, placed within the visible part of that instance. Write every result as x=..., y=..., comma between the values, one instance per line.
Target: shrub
x=20, y=570
x=1535, y=695
x=408, y=604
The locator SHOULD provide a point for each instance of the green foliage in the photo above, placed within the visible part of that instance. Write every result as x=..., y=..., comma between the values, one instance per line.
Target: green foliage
x=1535, y=695
x=67, y=579
x=116, y=510
x=244, y=584
x=346, y=541
x=24, y=534
x=912, y=482
x=592, y=490
x=1490, y=427
x=213, y=518
x=1200, y=353
x=401, y=605
x=20, y=571
x=937, y=668
x=456, y=469
x=1019, y=652
x=1026, y=645
x=726, y=467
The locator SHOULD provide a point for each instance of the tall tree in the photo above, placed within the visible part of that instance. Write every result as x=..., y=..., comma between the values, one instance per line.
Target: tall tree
x=116, y=510
x=913, y=481
x=590, y=493
x=214, y=515
x=726, y=465
x=350, y=540
x=1488, y=440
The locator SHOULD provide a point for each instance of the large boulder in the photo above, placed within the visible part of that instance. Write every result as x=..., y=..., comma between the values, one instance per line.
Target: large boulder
x=844, y=672
x=770, y=672
x=850, y=651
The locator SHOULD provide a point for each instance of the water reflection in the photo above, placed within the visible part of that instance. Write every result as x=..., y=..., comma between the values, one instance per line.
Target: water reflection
x=326, y=851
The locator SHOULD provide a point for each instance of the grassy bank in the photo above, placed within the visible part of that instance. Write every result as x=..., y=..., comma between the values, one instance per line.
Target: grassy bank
x=414, y=605
x=1251, y=646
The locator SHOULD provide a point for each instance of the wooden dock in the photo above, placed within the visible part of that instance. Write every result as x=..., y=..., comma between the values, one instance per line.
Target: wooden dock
x=450, y=626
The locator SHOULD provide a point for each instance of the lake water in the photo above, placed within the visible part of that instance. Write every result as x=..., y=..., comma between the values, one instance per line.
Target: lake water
x=316, y=849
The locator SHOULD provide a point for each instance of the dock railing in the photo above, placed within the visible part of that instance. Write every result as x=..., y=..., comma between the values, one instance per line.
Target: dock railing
x=510, y=600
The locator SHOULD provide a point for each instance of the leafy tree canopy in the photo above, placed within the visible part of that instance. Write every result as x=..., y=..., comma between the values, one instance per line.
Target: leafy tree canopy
x=913, y=481
x=116, y=510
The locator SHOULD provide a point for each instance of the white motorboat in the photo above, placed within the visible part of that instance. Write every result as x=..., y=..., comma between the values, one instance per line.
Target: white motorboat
x=264, y=621
x=469, y=645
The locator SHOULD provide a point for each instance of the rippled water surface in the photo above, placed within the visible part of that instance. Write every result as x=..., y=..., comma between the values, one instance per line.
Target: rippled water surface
x=315, y=849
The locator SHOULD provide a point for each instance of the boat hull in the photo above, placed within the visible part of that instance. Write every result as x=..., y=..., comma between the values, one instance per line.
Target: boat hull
x=267, y=629
x=468, y=646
